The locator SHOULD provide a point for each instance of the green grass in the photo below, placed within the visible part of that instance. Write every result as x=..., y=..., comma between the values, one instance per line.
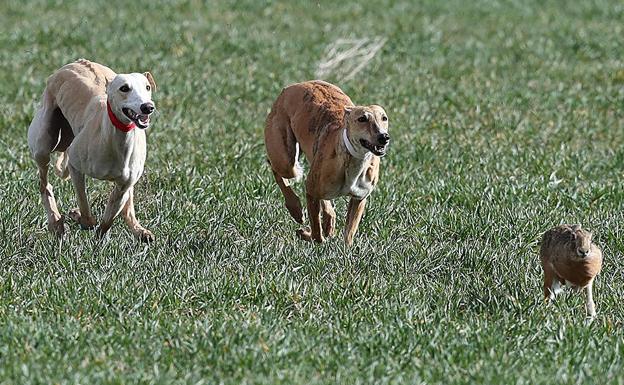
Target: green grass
x=486, y=101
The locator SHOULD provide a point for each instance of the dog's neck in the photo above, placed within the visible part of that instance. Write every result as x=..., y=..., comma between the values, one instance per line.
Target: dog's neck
x=349, y=146
x=356, y=181
x=121, y=126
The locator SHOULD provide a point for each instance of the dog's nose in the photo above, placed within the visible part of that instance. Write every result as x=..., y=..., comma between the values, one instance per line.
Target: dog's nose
x=383, y=138
x=147, y=108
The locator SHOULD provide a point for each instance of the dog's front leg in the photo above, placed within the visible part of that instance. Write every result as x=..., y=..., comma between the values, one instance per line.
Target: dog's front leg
x=82, y=214
x=354, y=215
x=329, y=218
x=116, y=202
x=129, y=216
x=314, y=211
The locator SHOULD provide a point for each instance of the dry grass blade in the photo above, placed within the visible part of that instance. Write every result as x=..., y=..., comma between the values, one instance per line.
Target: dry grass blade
x=344, y=58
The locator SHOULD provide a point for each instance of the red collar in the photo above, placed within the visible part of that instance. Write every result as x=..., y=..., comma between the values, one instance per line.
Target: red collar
x=117, y=123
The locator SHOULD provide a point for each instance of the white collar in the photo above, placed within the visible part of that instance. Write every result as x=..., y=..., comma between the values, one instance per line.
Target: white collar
x=348, y=145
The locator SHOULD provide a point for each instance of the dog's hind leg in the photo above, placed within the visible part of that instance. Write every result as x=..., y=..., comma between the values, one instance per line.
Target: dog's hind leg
x=283, y=153
x=354, y=215
x=55, y=219
x=293, y=204
x=82, y=214
x=129, y=216
x=42, y=139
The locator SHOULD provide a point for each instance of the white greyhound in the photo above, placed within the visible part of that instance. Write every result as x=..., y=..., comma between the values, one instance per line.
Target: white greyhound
x=96, y=119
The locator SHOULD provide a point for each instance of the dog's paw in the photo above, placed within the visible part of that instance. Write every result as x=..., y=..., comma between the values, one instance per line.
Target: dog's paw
x=86, y=223
x=304, y=234
x=145, y=236
x=307, y=236
x=57, y=227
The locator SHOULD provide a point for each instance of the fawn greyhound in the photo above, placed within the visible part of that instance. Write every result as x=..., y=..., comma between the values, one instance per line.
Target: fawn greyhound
x=96, y=119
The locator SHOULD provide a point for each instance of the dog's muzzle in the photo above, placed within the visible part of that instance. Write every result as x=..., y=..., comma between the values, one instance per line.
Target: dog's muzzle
x=379, y=149
x=141, y=120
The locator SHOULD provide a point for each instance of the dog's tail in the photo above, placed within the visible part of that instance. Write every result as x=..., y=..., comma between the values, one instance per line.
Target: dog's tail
x=60, y=167
x=297, y=167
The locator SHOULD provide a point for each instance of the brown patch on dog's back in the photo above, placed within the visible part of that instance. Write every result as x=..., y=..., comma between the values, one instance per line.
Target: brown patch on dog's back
x=328, y=102
x=309, y=108
x=307, y=97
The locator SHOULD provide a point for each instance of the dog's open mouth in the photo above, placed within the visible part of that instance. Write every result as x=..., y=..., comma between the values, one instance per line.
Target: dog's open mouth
x=377, y=150
x=141, y=120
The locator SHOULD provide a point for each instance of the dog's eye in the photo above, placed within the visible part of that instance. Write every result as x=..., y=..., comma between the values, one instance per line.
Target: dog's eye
x=362, y=119
x=124, y=88
x=384, y=118
x=148, y=87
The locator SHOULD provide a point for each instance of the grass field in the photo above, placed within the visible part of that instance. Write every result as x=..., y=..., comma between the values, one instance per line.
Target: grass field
x=506, y=119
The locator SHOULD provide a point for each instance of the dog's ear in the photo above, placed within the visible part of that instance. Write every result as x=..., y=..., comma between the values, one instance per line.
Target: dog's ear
x=151, y=80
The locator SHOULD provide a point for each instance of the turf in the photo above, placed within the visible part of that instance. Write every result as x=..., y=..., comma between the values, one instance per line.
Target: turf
x=506, y=119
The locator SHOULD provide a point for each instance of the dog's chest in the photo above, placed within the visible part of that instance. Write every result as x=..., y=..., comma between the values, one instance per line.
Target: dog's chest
x=129, y=168
x=120, y=162
x=124, y=171
x=357, y=182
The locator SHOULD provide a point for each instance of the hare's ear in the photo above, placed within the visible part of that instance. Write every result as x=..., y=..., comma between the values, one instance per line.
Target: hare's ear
x=575, y=227
x=150, y=80
x=347, y=110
